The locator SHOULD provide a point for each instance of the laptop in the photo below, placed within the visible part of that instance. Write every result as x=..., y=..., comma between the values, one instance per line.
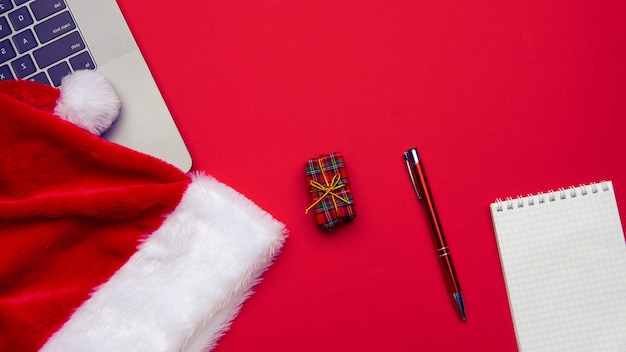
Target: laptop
x=44, y=40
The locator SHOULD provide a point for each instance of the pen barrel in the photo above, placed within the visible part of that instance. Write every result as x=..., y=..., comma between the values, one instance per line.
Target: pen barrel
x=435, y=224
x=449, y=273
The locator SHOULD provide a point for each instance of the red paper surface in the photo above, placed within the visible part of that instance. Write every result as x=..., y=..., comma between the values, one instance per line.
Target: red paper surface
x=501, y=98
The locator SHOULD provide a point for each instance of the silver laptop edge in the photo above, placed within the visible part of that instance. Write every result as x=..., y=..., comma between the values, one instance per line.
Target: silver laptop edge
x=145, y=123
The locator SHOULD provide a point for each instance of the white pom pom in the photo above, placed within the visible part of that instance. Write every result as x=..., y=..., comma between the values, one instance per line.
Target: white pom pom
x=88, y=101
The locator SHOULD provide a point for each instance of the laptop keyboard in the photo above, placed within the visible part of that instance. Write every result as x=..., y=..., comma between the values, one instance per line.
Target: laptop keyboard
x=40, y=41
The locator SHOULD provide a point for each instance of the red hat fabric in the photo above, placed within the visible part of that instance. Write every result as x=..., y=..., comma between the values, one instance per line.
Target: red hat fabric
x=106, y=249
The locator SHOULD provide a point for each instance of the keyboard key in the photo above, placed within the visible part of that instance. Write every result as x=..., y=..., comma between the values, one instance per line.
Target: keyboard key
x=5, y=73
x=59, y=49
x=6, y=51
x=54, y=27
x=44, y=8
x=57, y=72
x=82, y=61
x=24, y=41
x=41, y=78
x=40, y=41
x=4, y=27
x=20, y=18
x=23, y=66
x=5, y=5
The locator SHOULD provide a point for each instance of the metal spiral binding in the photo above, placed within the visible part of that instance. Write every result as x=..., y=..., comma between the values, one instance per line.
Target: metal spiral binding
x=551, y=196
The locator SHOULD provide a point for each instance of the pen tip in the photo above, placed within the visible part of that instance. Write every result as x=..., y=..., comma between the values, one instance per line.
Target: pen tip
x=457, y=297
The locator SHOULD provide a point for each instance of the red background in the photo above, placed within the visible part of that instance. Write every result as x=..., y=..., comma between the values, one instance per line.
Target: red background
x=501, y=98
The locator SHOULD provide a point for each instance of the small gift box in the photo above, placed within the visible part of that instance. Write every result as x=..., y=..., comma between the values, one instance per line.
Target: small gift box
x=329, y=187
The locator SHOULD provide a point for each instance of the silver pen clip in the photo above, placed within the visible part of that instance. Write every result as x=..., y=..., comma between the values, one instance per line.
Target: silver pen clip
x=411, y=158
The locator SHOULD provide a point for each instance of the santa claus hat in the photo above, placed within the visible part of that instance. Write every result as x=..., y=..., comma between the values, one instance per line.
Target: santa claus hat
x=106, y=249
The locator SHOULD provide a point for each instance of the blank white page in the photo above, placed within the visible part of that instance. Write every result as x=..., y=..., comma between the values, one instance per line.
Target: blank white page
x=564, y=261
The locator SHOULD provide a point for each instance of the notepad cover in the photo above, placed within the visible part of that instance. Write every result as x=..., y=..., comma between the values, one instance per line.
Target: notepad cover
x=563, y=257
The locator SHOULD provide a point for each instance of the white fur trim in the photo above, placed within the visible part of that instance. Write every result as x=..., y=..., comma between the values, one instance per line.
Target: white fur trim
x=88, y=101
x=186, y=283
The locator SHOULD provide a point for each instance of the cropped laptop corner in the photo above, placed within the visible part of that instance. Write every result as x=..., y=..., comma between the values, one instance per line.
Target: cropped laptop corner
x=90, y=34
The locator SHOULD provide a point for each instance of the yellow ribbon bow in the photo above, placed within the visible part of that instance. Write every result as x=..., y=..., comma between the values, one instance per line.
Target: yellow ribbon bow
x=328, y=189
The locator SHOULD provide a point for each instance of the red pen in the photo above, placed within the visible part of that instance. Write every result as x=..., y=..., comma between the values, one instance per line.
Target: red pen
x=418, y=178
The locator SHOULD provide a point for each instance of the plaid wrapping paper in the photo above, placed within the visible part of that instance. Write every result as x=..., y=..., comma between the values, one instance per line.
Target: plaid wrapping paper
x=331, y=197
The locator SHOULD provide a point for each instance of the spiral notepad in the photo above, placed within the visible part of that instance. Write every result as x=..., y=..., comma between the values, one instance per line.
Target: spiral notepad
x=564, y=261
